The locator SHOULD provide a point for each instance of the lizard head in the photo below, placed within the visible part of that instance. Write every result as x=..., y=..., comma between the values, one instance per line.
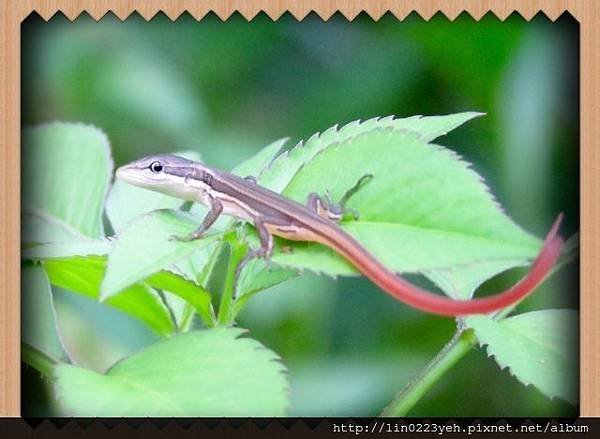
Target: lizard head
x=169, y=174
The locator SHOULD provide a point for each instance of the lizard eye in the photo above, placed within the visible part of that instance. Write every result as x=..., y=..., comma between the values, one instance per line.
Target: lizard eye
x=155, y=167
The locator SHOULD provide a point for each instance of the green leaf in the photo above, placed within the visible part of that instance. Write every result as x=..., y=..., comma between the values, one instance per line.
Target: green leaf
x=83, y=275
x=431, y=127
x=539, y=348
x=146, y=247
x=199, y=264
x=200, y=373
x=258, y=275
x=66, y=171
x=256, y=164
x=39, y=327
x=424, y=209
x=126, y=201
x=182, y=311
x=194, y=294
x=41, y=227
x=81, y=247
x=461, y=282
x=317, y=257
x=285, y=167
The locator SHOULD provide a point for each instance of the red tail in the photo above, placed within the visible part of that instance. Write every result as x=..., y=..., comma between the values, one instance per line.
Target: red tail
x=436, y=304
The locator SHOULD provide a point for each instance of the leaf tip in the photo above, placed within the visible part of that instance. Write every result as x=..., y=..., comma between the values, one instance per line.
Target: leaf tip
x=105, y=293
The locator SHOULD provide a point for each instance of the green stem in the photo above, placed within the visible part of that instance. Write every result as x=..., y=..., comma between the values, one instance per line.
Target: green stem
x=187, y=317
x=38, y=360
x=458, y=347
x=237, y=252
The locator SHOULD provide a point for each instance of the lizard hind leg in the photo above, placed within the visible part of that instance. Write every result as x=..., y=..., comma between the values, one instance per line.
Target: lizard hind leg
x=354, y=189
x=326, y=208
x=322, y=207
x=264, y=251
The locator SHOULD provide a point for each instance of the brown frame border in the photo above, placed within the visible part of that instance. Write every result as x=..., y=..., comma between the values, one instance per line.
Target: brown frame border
x=587, y=12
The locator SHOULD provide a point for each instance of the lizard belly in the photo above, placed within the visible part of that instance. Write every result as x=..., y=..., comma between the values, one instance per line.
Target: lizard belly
x=291, y=232
x=233, y=208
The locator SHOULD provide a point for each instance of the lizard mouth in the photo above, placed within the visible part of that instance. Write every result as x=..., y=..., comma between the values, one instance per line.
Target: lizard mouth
x=129, y=175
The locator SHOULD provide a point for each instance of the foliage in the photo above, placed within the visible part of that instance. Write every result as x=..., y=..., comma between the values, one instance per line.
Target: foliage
x=224, y=88
x=424, y=211
x=538, y=347
x=200, y=373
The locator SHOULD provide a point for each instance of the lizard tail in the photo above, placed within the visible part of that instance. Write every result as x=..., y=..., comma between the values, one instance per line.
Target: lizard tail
x=424, y=300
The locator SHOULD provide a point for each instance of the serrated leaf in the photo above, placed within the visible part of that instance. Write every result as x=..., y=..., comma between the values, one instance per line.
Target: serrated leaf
x=258, y=275
x=256, y=164
x=146, y=247
x=424, y=209
x=83, y=275
x=39, y=323
x=539, y=348
x=460, y=282
x=285, y=167
x=126, y=201
x=430, y=128
x=200, y=373
x=192, y=293
x=66, y=170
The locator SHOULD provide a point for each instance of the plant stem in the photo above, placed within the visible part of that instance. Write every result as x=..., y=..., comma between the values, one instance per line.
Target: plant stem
x=38, y=360
x=461, y=343
x=237, y=252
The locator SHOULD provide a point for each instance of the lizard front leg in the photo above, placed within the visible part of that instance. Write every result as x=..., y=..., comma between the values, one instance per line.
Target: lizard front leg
x=266, y=245
x=215, y=210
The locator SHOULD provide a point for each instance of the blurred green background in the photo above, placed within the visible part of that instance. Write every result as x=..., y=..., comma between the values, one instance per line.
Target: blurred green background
x=229, y=88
